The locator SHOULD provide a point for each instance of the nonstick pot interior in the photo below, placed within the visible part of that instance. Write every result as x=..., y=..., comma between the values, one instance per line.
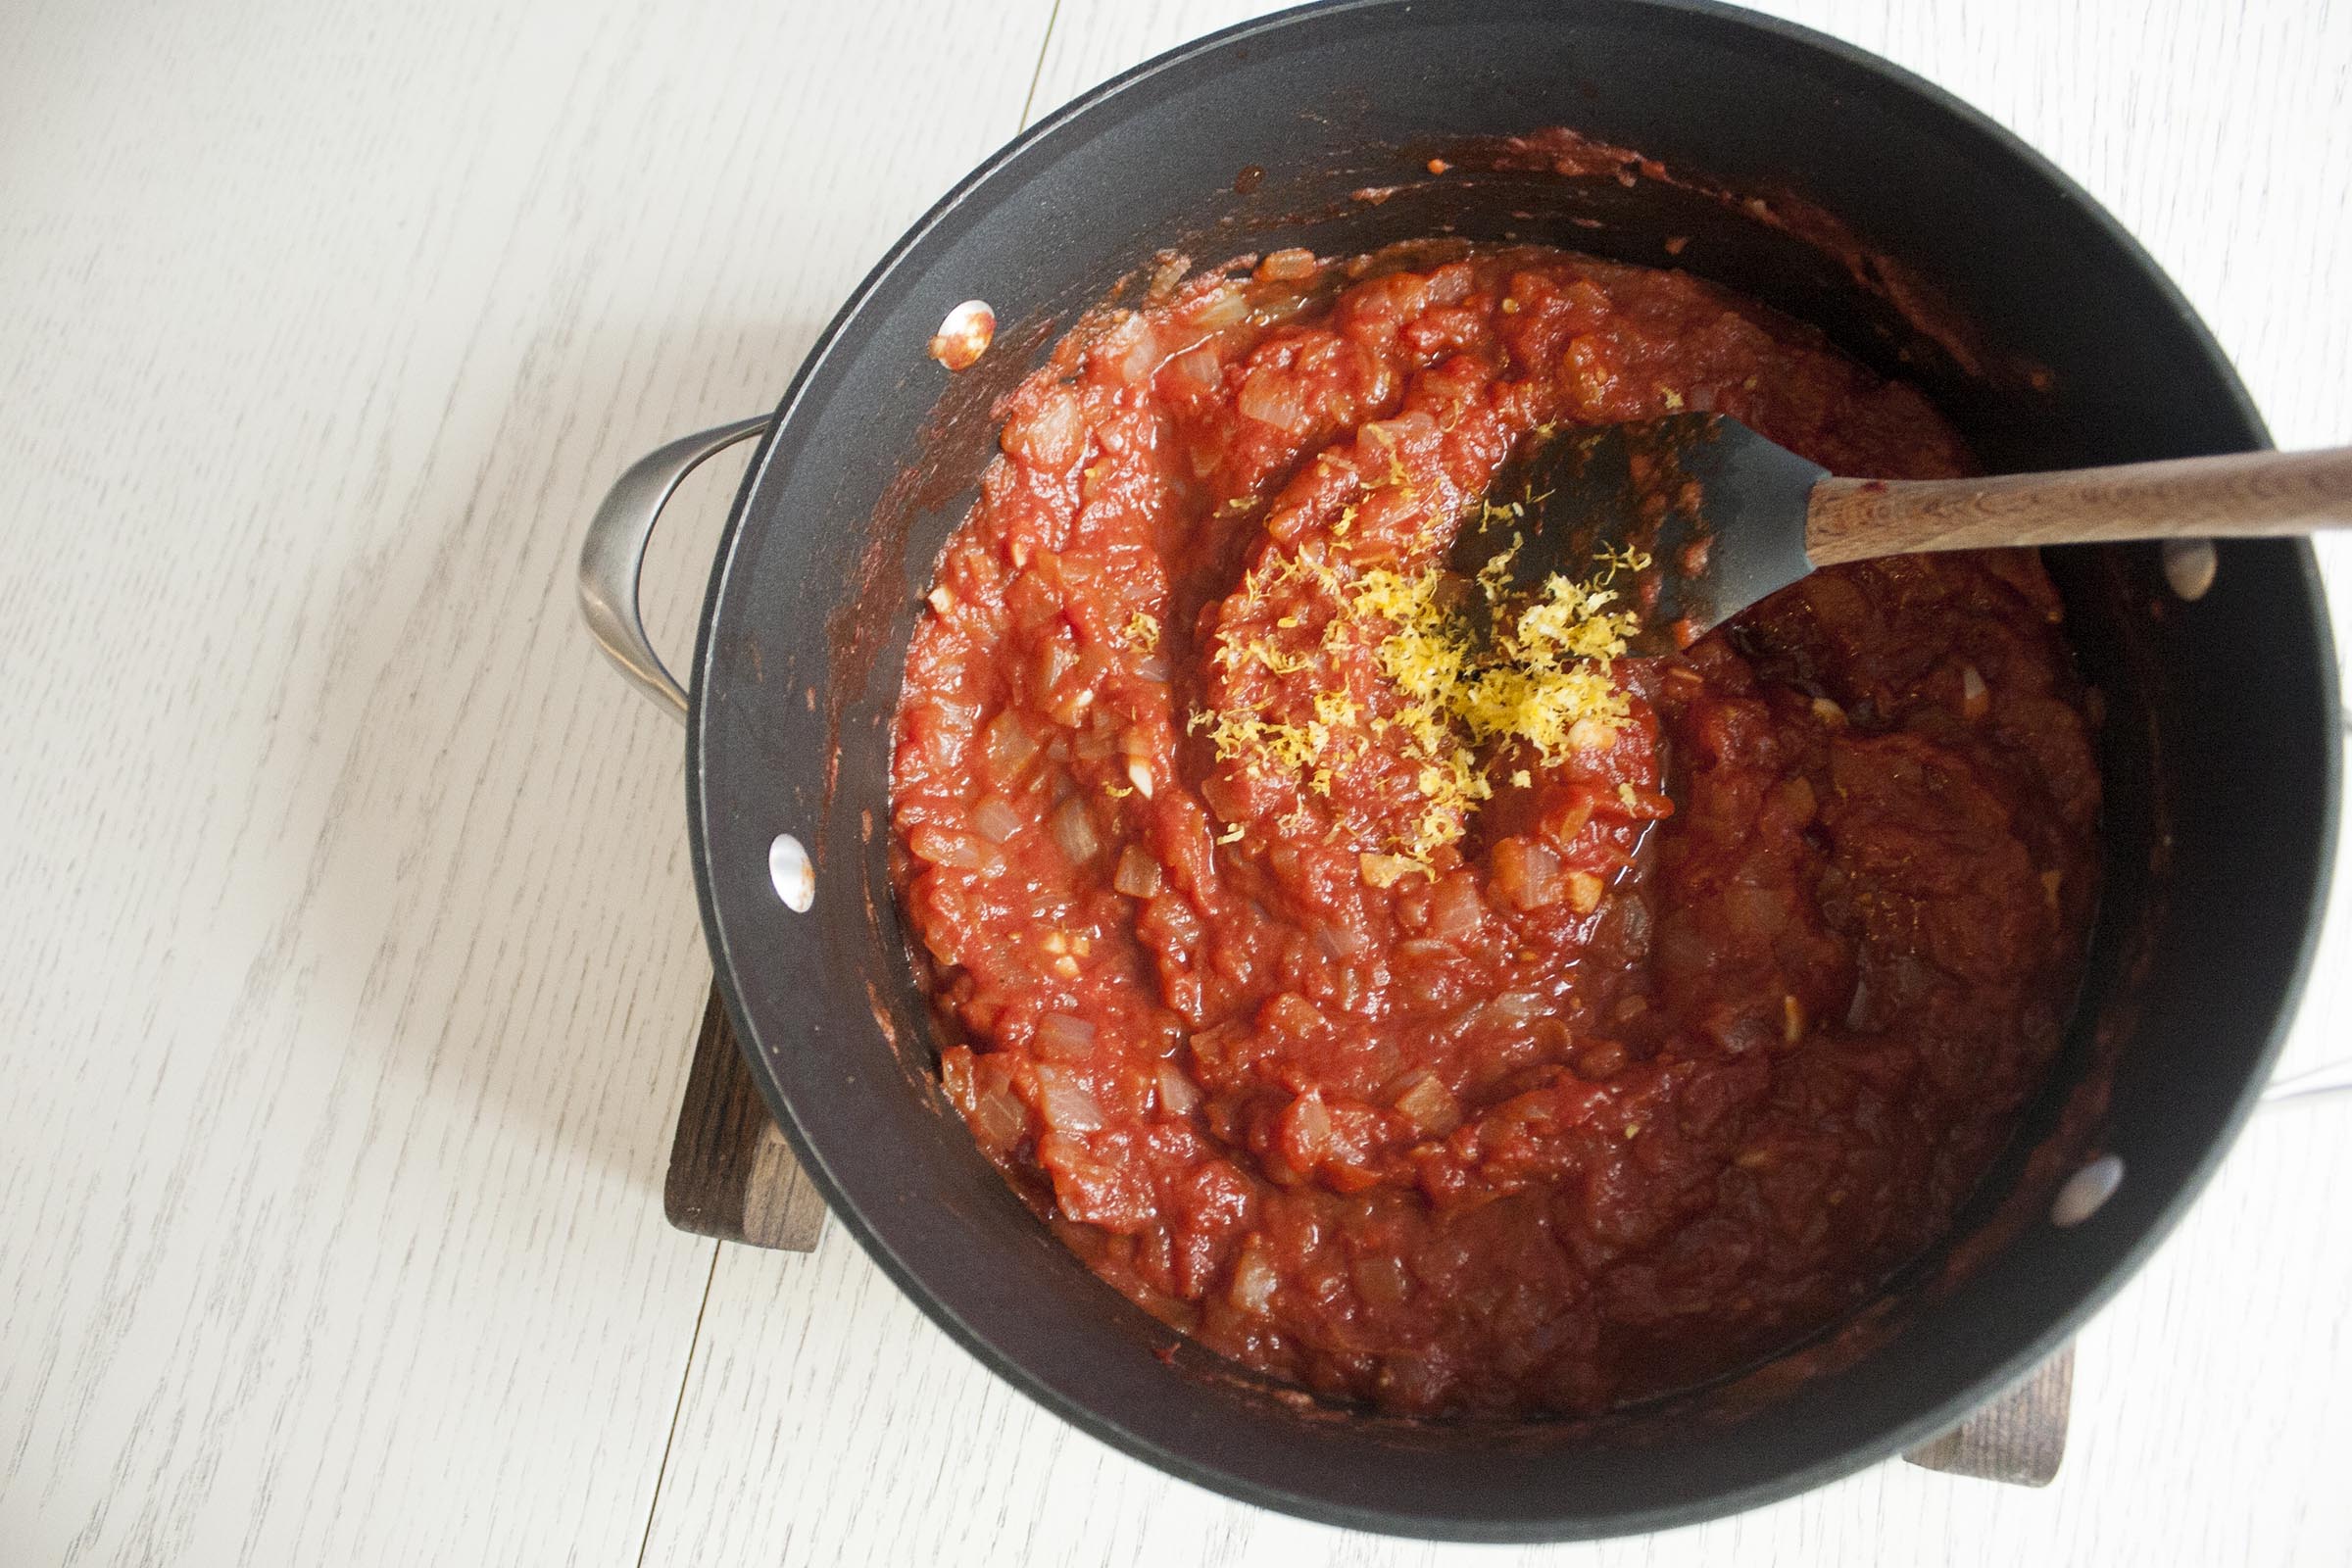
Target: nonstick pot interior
x=2220, y=750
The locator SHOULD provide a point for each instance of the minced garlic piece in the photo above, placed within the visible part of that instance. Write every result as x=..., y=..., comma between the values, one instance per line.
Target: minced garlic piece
x=1387, y=870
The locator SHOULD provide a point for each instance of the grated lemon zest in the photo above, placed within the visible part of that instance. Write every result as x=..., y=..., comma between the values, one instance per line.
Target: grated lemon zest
x=1546, y=679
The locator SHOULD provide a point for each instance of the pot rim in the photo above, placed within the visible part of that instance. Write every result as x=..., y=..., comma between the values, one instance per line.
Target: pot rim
x=1636, y=1519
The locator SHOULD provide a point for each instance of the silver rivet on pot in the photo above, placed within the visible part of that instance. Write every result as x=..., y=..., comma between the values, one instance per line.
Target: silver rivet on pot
x=964, y=335
x=2086, y=1190
x=789, y=869
x=2190, y=565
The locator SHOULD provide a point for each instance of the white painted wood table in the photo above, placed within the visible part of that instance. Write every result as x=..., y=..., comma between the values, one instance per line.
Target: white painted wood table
x=350, y=951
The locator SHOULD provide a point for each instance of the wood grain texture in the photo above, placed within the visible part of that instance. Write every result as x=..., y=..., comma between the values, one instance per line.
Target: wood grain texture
x=2243, y=495
x=731, y=1173
x=349, y=926
x=348, y=918
x=2018, y=1438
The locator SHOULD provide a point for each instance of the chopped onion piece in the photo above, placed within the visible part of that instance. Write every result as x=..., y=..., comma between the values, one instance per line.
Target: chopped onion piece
x=1179, y=1096
x=1430, y=1106
x=1306, y=1130
x=1067, y=1102
x=1253, y=1277
x=1002, y=1119
x=958, y=850
x=1294, y=1014
x=1591, y=735
x=1200, y=366
x=1379, y=437
x=1052, y=434
x=1528, y=874
x=1455, y=911
x=1069, y=707
x=1289, y=266
x=1137, y=874
x=1074, y=831
x=1223, y=308
x=1585, y=890
x=1141, y=359
x=1010, y=747
x=1271, y=397
x=1064, y=1037
x=1515, y=1008
x=1387, y=870
x=1055, y=660
x=1342, y=942
x=996, y=820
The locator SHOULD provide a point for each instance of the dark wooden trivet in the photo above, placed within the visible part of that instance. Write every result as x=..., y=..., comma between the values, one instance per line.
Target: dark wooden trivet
x=733, y=1176
x=2018, y=1438
x=731, y=1173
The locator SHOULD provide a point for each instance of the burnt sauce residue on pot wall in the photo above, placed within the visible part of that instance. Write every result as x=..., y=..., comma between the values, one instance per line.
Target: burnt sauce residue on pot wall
x=866, y=640
x=1560, y=186
x=934, y=485
x=1903, y=290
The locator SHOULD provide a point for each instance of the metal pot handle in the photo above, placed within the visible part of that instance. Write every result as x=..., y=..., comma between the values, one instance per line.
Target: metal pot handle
x=614, y=554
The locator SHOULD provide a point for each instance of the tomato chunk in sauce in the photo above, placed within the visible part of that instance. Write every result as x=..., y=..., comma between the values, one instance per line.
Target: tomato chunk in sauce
x=1658, y=1057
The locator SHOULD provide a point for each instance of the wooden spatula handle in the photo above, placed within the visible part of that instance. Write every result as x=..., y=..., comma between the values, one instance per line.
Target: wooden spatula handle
x=2247, y=494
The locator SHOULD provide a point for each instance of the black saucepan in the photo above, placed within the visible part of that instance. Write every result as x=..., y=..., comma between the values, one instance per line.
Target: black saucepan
x=1316, y=127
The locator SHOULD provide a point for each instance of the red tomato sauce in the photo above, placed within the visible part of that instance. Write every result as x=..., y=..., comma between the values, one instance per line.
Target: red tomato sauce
x=1674, y=1054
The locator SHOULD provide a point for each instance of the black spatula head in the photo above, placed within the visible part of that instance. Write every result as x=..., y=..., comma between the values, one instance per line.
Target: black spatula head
x=1718, y=511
